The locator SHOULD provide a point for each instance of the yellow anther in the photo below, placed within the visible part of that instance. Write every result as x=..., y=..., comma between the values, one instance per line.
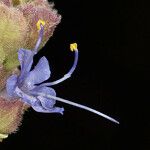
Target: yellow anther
x=39, y=23
x=73, y=47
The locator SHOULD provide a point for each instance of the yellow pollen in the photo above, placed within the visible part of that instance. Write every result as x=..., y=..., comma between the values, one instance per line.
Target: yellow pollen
x=73, y=47
x=39, y=23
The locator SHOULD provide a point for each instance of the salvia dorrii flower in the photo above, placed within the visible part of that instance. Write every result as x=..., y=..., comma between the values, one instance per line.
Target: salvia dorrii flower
x=18, y=20
x=25, y=88
x=28, y=85
x=24, y=85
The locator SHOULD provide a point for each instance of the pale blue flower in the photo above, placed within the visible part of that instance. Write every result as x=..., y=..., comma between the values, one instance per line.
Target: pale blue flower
x=25, y=84
x=29, y=88
x=29, y=82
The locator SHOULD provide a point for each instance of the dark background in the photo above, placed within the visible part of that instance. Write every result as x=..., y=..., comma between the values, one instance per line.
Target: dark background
x=113, y=76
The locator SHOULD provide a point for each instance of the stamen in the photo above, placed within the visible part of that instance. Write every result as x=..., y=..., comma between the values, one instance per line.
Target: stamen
x=40, y=26
x=78, y=105
x=73, y=47
x=39, y=23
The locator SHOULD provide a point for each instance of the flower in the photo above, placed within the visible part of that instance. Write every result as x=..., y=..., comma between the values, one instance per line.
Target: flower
x=28, y=85
x=18, y=29
x=25, y=84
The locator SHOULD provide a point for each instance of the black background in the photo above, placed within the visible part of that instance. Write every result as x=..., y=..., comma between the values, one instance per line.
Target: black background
x=113, y=76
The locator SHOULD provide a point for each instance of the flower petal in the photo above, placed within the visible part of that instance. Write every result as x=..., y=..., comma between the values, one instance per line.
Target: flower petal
x=52, y=110
x=26, y=59
x=46, y=103
x=43, y=104
x=26, y=98
x=36, y=104
x=40, y=73
x=11, y=85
